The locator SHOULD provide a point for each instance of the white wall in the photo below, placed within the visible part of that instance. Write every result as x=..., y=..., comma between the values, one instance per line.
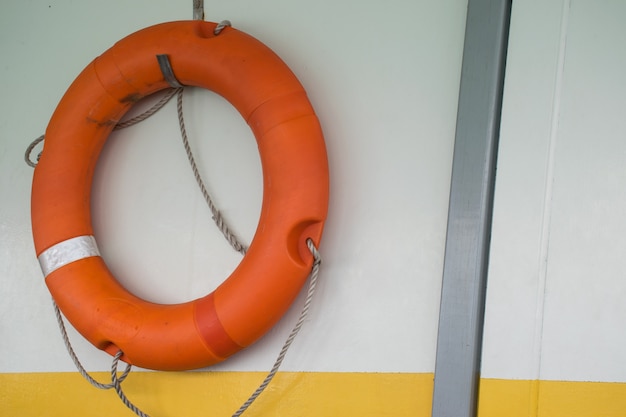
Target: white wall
x=383, y=77
x=384, y=81
x=555, y=303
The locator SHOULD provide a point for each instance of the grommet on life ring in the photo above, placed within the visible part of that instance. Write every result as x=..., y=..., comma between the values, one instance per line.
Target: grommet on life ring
x=252, y=299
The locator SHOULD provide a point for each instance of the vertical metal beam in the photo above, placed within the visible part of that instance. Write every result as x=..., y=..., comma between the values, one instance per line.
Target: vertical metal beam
x=469, y=218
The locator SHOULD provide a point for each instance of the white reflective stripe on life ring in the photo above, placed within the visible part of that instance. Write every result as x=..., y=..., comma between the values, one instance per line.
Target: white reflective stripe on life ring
x=66, y=252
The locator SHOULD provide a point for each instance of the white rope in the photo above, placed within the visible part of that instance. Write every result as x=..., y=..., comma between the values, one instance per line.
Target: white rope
x=217, y=216
x=116, y=382
x=79, y=365
x=118, y=387
x=221, y=26
x=121, y=125
x=151, y=111
x=294, y=332
x=29, y=150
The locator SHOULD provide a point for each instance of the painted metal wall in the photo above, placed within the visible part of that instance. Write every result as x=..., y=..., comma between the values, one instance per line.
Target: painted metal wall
x=558, y=263
x=383, y=78
x=555, y=300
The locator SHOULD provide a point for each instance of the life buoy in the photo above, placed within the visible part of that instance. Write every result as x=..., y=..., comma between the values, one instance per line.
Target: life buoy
x=252, y=299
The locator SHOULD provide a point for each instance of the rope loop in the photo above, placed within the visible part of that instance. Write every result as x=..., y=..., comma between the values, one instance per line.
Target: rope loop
x=317, y=260
x=117, y=384
x=220, y=27
x=79, y=366
x=150, y=112
x=121, y=125
x=29, y=150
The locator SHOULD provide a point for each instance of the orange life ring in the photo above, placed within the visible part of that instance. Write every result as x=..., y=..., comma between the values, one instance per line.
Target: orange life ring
x=247, y=304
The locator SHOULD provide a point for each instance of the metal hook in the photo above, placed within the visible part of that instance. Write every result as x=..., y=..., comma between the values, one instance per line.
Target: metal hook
x=168, y=73
x=198, y=9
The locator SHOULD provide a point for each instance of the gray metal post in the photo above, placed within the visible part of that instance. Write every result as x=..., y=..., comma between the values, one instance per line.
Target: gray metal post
x=459, y=340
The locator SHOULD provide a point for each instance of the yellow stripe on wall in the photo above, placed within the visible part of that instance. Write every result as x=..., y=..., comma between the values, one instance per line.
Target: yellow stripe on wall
x=513, y=398
x=189, y=394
